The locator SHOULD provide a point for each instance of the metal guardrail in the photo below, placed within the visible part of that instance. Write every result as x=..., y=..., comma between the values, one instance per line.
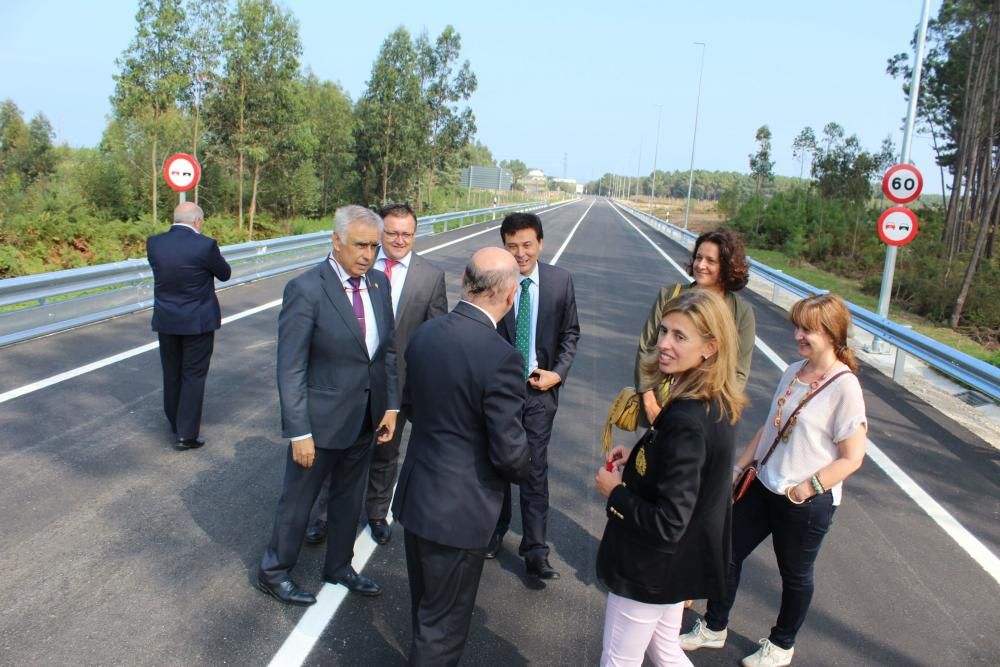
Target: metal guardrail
x=966, y=369
x=62, y=300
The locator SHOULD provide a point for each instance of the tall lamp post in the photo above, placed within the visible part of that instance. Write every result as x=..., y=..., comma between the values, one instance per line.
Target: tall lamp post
x=694, y=136
x=656, y=150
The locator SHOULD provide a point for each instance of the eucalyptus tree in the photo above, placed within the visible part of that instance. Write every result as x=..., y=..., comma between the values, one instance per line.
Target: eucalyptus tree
x=206, y=19
x=154, y=77
x=445, y=85
x=761, y=164
x=256, y=113
x=329, y=114
x=392, y=122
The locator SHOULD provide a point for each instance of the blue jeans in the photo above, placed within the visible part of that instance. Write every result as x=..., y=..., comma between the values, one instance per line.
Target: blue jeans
x=796, y=532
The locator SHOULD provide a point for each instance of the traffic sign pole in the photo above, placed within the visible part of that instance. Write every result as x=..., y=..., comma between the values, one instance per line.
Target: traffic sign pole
x=889, y=270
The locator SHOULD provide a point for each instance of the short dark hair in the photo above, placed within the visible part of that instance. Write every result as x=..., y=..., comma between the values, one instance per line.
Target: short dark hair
x=398, y=210
x=515, y=222
x=734, y=270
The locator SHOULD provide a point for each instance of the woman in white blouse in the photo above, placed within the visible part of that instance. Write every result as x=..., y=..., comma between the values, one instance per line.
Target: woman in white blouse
x=799, y=486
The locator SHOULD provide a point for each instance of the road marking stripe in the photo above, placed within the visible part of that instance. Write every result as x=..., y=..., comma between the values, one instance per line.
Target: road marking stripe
x=571, y=233
x=942, y=517
x=299, y=644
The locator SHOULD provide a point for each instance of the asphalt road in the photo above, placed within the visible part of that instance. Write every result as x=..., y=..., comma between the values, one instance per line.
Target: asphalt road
x=119, y=550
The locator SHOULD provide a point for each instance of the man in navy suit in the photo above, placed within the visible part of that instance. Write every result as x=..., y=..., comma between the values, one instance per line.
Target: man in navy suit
x=185, y=316
x=465, y=393
x=543, y=326
x=338, y=391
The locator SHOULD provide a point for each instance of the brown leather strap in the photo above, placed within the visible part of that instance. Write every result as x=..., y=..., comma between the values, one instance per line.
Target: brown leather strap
x=801, y=405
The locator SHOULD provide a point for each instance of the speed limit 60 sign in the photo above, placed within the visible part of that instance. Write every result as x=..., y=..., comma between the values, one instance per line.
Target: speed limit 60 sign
x=902, y=183
x=181, y=171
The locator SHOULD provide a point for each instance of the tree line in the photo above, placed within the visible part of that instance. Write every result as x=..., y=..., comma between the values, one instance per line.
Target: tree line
x=223, y=81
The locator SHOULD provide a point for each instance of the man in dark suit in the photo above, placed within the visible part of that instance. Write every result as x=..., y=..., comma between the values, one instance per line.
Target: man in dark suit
x=338, y=392
x=543, y=326
x=418, y=294
x=465, y=394
x=185, y=316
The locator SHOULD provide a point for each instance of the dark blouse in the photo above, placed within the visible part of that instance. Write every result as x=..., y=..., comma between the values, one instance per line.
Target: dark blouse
x=668, y=533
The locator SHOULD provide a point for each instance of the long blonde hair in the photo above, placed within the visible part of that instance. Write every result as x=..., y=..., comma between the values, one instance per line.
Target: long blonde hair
x=715, y=378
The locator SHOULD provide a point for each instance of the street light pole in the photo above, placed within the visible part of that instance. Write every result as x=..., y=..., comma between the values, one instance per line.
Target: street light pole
x=656, y=150
x=694, y=136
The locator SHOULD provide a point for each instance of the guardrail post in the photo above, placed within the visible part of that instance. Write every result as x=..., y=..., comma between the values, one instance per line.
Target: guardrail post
x=899, y=365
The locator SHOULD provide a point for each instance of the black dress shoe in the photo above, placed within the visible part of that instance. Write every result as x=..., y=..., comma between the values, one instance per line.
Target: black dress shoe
x=190, y=443
x=493, y=548
x=381, y=530
x=316, y=533
x=287, y=592
x=540, y=568
x=354, y=582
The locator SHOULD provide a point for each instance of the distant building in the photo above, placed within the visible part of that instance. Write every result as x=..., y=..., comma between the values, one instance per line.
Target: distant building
x=535, y=181
x=487, y=178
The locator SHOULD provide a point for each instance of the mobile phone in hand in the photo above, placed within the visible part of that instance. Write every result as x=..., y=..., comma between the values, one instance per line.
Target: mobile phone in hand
x=383, y=430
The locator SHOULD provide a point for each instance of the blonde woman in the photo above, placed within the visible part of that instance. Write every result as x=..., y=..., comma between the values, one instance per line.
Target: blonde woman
x=820, y=406
x=669, y=505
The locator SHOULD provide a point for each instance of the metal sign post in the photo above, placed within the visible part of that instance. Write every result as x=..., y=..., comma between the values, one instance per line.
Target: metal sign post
x=904, y=157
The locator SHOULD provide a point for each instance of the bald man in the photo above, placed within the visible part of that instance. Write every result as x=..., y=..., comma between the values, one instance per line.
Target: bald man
x=464, y=393
x=185, y=316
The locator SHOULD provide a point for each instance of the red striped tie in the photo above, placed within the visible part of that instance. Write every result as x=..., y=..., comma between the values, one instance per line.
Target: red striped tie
x=389, y=263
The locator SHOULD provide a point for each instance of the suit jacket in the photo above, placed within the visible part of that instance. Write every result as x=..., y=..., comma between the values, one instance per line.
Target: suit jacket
x=668, y=533
x=558, y=328
x=185, y=265
x=423, y=297
x=325, y=376
x=464, y=394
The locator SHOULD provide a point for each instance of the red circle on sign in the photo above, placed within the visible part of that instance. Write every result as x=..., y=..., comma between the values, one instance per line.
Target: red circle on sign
x=902, y=194
x=897, y=225
x=182, y=172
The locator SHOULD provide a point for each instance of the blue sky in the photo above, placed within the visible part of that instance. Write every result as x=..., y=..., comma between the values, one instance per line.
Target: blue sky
x=579, y=79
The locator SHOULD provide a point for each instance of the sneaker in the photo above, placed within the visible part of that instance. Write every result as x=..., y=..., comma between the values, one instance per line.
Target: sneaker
x=769, y=655
x=701, y=637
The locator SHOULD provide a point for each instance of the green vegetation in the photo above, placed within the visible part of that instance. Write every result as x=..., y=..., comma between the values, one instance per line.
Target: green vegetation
x=852, y=291
x=280, y=149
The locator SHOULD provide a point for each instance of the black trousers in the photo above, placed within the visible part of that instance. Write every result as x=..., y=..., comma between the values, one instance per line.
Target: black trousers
x=347, y=471
x=381, y=479
x=797, y=532
x=185, y=361
x=539, y=413
x=443, y=585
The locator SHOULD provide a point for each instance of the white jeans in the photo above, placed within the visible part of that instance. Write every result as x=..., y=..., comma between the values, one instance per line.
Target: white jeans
x=633, y=629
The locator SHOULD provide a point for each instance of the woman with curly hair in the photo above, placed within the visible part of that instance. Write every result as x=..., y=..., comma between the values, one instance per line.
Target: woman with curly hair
x=718, y=263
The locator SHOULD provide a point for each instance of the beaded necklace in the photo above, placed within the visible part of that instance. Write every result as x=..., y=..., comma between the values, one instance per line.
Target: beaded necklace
x=813, y=386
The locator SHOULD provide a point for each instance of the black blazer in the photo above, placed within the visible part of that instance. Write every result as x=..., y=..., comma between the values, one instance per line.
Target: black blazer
x=558, y=328
x=668, y=533
x=464, y=394
x=325, y=376
x=185, y=265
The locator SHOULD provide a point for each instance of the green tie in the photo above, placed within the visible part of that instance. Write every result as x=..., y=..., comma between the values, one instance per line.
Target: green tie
x=522, y=338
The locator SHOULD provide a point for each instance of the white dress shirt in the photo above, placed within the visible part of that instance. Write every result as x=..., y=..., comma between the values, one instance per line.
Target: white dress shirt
x=399, y=271
x=483, y=311
x=371, y=327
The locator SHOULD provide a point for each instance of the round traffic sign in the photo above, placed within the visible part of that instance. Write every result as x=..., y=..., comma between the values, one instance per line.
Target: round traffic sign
x=181, y=171
x=902, y=183
x=897, y=225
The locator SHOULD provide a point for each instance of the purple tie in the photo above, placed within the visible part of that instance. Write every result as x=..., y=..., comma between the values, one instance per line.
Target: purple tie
x=359, y=308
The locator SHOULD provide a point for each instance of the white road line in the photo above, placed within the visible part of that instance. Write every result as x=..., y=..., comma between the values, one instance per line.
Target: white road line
x=942, y=517
x=309, y=629
x=559, y=253
x=136, y=351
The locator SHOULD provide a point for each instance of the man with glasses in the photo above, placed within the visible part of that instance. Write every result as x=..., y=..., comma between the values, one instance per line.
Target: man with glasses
x=418, y=294
x=338, y=391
